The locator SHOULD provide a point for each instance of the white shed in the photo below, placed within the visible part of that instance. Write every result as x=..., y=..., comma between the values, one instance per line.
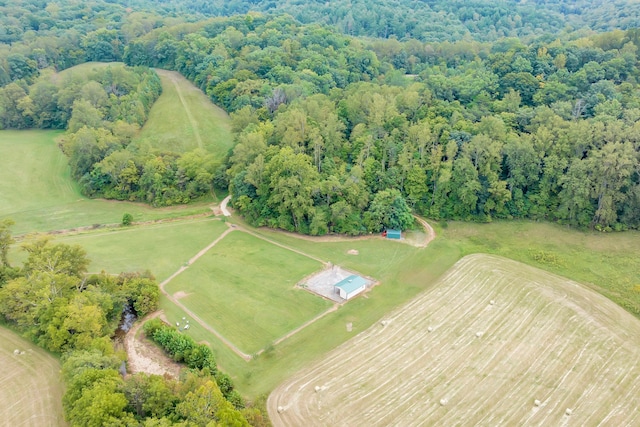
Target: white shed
x=351, y=286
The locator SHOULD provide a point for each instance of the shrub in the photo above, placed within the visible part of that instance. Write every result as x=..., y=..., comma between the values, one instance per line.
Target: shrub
x=127, y=219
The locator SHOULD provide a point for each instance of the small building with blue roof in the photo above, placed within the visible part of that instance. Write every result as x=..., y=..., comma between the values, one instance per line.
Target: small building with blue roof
x=350, y=286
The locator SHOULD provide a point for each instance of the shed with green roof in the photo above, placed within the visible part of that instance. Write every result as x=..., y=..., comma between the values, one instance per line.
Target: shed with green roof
x=350, y=286
x=393, y=234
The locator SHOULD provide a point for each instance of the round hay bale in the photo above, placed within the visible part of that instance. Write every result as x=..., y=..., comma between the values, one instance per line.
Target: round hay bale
x=568, y=411
x=537, y=402
x=317, y=388
x=444, y=401
x=280, y=409
x=16, y=352
x=479, y=334
x=430, y=329
x=492, y=302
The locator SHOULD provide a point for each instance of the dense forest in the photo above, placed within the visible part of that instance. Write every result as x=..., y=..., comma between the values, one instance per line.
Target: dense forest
x=332, y=131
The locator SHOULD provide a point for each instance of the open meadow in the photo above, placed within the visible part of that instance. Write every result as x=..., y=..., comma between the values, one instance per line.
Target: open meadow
x=161, y=248
x=183, y=118
x=244, y=288
x=494, y=342
x=30, y=384
x=38, y=193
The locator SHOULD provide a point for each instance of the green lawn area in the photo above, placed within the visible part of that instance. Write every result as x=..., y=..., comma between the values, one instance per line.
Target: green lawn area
x=183, y=118
x=160, y=248
x=608, y=263
x=37, y=192
x=244, y=288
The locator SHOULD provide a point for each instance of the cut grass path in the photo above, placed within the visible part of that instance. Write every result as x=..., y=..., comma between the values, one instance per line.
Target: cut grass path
x=245, y=290
x=194, y=316
x=161, y=248
x=183, y=119
x=173, y=77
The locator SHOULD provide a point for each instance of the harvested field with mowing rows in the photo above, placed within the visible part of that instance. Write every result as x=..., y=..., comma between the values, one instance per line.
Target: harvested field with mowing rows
x=494, y=342
x=30, y=384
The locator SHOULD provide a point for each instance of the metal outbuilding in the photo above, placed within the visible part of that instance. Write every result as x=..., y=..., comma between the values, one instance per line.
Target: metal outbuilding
x=350, y=286
x=393, y=234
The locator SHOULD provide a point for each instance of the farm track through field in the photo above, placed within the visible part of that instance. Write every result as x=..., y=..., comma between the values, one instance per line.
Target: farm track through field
x=194, y=316
x=204, y=324
x=173, y=76
x=430, y=234
x=479, y=348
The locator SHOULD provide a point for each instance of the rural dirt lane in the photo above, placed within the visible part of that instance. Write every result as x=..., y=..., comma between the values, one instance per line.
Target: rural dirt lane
x=223, y=206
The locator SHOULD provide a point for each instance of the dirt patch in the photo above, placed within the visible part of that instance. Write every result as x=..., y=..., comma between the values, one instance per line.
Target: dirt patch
x=144, y=356
x=181, y=294
x=495, y=342
x=353, y=252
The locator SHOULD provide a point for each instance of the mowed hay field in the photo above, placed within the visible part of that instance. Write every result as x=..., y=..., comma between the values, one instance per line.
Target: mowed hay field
x=30, y=384
x=544, y=338
x=244, y=287
x=183, y=118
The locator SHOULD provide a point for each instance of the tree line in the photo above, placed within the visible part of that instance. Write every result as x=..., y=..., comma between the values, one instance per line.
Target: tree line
x=325, y=122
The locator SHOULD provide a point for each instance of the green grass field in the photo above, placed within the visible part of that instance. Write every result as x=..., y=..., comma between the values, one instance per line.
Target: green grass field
x=183, y=118
x=608, y=263
x=160, y=248
x=37, y=192
x=244, y=288
x=30, y=384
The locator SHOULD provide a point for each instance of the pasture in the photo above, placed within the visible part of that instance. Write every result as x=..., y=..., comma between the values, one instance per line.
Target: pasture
x=30, y=384
x=37, y=192
x=244, y=288
x=492, y=342
x=161, y=248
x=183, y=119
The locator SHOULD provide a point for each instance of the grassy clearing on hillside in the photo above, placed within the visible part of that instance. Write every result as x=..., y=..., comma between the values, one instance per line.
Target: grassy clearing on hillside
x=82, y=69
x=478, y=348
x=30, y=384
x=183, y=118
x=37, y=192
x=244, y=288
x=160, y=248
x=609, y=263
